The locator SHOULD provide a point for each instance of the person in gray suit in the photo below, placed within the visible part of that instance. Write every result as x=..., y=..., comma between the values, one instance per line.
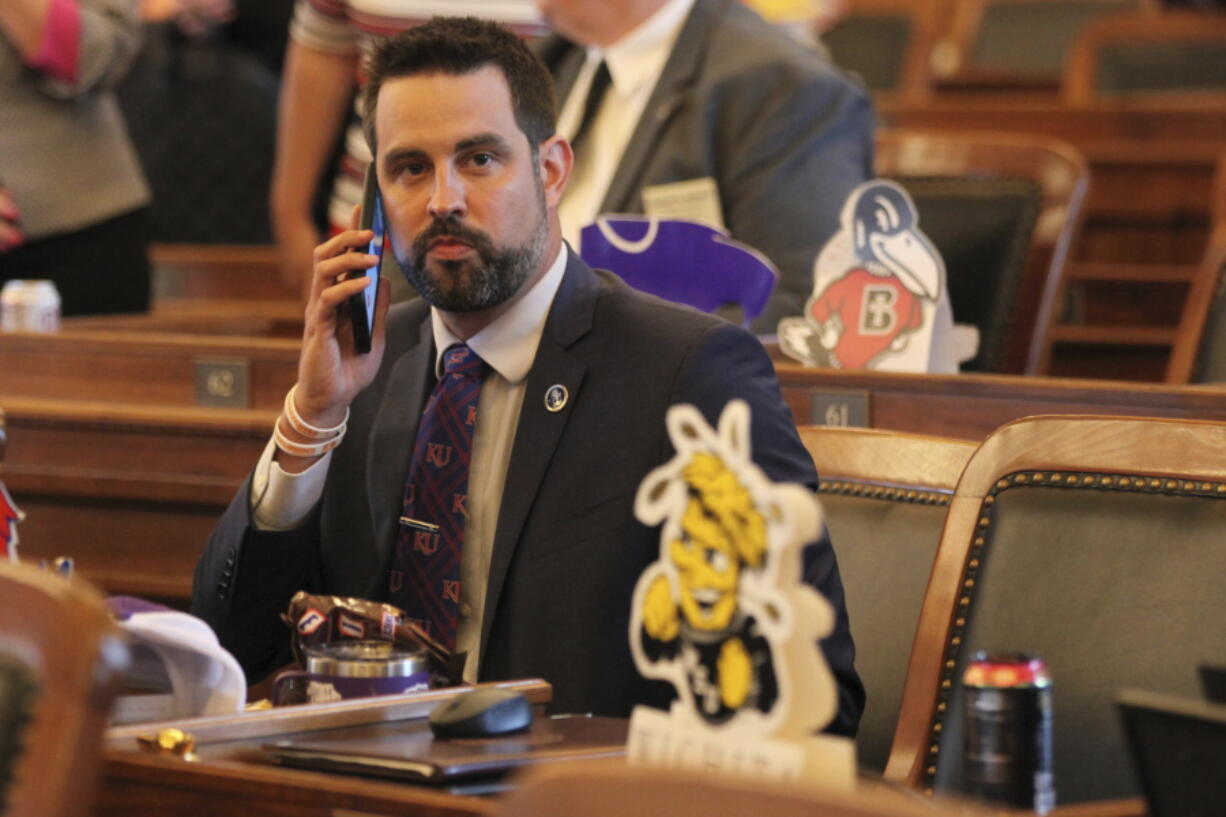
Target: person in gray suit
x=570, y=415
x=778, y=135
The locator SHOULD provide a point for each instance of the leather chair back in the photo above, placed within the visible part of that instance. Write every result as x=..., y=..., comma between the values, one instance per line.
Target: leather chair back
x=982, y=228
x=1198, y=354
x=1094, y=543
x=884, y=495
x=1003, y=209
x=1175, y=55
x=17, y=694
x=889, y=44
x=1032, y=38
x=1211, y=360
x=872, y=46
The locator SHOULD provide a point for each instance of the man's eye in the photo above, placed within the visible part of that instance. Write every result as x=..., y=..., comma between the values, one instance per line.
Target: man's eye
x=482, y=159
x=414, y=168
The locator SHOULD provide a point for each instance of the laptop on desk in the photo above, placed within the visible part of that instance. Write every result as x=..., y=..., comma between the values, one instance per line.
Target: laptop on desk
x=408, y=751
x=1178, y=747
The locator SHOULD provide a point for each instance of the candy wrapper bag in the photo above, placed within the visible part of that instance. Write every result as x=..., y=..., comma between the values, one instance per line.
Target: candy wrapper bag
x=319, y=620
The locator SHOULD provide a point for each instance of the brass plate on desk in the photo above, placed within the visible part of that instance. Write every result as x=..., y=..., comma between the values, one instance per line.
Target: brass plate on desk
x=839, y=407
x=223, y=382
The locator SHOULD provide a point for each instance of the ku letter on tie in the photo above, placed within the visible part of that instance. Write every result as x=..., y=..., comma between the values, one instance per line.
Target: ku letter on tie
x=438, y=455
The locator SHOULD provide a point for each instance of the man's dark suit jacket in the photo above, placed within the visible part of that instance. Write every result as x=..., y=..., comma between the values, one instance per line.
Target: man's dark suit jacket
x=784, y=134
x=567, y=549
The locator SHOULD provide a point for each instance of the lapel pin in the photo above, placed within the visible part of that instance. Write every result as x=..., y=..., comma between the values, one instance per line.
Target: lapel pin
x=556, y=397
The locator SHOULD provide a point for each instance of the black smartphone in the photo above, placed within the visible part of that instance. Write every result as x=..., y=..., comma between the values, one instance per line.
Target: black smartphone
x=362, y=305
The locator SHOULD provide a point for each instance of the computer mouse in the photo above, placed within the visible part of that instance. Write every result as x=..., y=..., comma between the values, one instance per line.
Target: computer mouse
x=481, y=713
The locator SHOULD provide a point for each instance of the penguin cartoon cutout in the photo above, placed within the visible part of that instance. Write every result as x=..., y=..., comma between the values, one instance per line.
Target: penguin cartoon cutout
x=724, y=616
x=879, y=298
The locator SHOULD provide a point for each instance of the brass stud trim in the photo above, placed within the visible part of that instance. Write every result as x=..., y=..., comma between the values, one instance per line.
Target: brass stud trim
x=1055, y=478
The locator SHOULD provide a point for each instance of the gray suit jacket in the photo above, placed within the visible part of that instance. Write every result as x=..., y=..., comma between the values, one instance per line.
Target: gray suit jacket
x=785, y=135
x=567, y=549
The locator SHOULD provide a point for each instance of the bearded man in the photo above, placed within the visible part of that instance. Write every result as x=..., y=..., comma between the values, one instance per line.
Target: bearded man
x=477, y=467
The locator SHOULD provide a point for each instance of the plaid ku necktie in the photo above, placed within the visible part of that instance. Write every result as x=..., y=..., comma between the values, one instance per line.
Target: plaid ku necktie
x=424, y=580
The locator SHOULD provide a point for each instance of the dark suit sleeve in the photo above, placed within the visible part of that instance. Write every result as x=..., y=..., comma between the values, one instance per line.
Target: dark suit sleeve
x=245, y=579
x=794, y=141
x=729, y=363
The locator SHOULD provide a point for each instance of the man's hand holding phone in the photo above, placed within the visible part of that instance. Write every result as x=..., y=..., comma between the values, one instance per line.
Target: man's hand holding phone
x=362, y=305
x=331, y=371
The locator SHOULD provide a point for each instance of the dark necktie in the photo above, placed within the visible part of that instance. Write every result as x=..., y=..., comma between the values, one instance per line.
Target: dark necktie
x=424, y=580
x=595, y=95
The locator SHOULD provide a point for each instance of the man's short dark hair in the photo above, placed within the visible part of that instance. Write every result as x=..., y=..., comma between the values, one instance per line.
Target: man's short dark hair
x=458, y=46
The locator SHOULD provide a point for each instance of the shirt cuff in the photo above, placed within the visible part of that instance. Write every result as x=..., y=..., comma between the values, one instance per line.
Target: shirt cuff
x=59, y=55
x=280, y=500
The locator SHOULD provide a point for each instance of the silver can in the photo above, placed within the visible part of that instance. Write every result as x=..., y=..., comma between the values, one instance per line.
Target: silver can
x=29, y=306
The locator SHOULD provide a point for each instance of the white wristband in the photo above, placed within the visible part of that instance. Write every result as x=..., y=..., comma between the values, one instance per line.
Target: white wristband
x=303, y=427
x=295, y=449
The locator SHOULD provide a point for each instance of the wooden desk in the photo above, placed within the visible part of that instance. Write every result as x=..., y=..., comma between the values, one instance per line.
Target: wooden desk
x=970, y=406
x=109, y=435
x=154, y=360
x=148, y=482
x=130, y=491
x=233, y=779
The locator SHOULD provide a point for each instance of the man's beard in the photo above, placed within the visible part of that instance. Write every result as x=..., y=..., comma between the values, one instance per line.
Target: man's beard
x=491, y=277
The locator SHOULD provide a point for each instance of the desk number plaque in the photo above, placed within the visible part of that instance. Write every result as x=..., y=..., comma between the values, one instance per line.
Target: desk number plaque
x=724, y=616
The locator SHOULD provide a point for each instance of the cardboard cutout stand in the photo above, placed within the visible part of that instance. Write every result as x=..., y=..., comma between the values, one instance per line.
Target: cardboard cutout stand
x=879, y=296
x=725, y=617
x=682, y=261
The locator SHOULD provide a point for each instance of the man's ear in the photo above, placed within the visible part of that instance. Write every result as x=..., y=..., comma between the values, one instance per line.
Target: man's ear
x=556, y=161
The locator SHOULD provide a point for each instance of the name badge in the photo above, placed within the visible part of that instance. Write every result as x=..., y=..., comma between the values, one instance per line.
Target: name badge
x=690, y=200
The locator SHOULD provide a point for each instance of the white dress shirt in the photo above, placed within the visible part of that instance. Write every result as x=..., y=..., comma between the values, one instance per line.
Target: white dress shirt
x=635, y=63
x=280, y=500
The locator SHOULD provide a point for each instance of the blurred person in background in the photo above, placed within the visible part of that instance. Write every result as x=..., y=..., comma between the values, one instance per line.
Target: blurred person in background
x=707, y=92
x=72, y=197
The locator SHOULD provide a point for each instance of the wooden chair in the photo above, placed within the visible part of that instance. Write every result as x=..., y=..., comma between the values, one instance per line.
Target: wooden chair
x=59, y=638
x=1199, y=352
x=1000, y=206
x=1174, y=56
x=1093, y=542
x=884, y=495
x=1017, y=44
x=888, y=43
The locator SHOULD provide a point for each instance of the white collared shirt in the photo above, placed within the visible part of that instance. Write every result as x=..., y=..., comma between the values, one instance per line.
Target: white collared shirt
x=281, y=501
x=635, y=62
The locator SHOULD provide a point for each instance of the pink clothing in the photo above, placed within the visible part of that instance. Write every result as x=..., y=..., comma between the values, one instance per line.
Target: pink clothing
x=60, y=52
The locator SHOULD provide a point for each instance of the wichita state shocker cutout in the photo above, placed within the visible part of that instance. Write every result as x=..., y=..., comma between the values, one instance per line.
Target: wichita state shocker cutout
x=724, y=616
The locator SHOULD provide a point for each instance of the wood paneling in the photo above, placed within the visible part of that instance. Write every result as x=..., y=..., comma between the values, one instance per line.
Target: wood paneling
x=129, y=491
